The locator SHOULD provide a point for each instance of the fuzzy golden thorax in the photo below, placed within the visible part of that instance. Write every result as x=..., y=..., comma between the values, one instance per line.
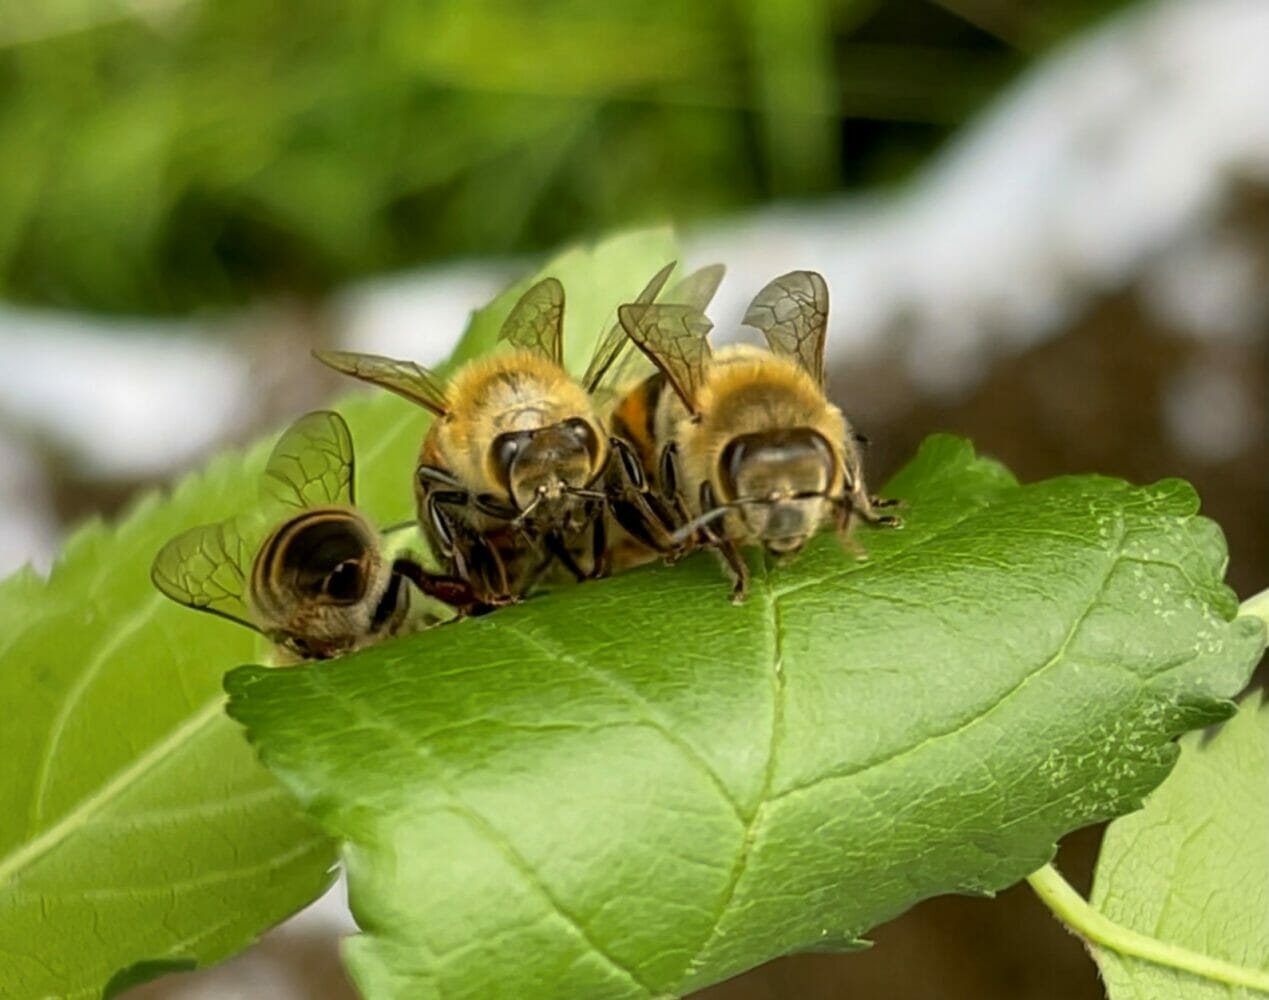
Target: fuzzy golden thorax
x=519, y=429
x=763, y=431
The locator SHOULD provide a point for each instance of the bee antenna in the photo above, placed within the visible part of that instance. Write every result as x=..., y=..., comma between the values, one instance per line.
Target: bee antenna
x=520, y=518
x=697, y=523
x=585, y=494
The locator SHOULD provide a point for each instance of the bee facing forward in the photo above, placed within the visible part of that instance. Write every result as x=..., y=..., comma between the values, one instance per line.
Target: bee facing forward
x=316, y=583
x=511, y=474
x=746, y=448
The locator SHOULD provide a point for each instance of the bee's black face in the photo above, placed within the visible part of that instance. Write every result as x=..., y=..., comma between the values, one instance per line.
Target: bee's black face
x=547, y=461
x=781, y=479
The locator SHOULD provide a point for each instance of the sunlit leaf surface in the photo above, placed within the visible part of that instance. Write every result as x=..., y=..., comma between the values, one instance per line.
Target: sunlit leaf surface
x=633, y=788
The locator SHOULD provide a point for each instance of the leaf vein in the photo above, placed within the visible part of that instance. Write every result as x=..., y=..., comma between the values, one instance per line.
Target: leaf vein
x=158, y=753
x=745, y=853
x=496, y=837
x=1028, y=677
x=647, y=714
x=871, y=564
x=120, y=635
x=177, y=886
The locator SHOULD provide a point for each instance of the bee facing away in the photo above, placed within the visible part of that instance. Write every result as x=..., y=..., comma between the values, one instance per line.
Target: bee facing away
x=510, y=475
x=745, y=448
x=309, y=573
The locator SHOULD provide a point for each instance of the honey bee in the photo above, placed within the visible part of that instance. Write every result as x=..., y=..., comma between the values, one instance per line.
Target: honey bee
x=745, y=448
x=317, y=582
x=510, y=475
x=513, y=474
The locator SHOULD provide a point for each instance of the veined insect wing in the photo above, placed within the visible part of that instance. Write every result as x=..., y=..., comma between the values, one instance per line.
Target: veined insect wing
x=536, y=321
x=208, y=568
x=311, y=465
x=675, y=339
x=624, y=367
x=406, y=378
x=698, y=288
x=792, y=313
x=614, y=342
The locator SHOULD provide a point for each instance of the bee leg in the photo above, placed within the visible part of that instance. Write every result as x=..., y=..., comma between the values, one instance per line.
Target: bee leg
x=739, y=570
x=556, y=547
x=886, y=520
x=844, y=520
x=636, y=508
x=473, y=562
x=864, y=505
x=714, y=536
x=889, y=520
x=628, y=464
x=440, y=529
x=431, y=476
x=601, y=556
x=458, y=594
x=488, y=565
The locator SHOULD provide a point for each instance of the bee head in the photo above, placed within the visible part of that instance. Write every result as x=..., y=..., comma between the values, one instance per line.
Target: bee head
x=317, y=579
x=546, y=464
x=778, y=480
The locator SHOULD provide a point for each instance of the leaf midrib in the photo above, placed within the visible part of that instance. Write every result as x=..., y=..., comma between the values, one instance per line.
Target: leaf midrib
x=489, y=831
x=77, y=818
x=1115, y=555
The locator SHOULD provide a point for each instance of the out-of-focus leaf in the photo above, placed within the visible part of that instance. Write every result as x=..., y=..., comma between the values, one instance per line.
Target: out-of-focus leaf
x=1192, y=867
x=139, y=833
x=634, y=789
x=174, y=153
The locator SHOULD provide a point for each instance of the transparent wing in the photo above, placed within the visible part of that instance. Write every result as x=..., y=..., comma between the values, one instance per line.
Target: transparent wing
x=792, y=312
x=405, y=378
x=698, y=288
x=206, y=568
x=615, y=341
x=312, y=463
x=536, y=322
x=623, y=367
x=674, y=337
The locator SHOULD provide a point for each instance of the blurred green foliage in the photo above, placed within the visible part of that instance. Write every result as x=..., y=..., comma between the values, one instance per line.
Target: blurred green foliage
x=160, y=155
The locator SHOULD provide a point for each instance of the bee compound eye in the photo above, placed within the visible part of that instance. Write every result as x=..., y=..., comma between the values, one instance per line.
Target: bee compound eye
x=579, y=428
x=344, y=582
x=505, y=449
x=732, y=464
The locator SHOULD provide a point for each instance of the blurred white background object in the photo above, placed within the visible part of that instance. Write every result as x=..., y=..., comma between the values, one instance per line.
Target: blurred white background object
x=1108, y=164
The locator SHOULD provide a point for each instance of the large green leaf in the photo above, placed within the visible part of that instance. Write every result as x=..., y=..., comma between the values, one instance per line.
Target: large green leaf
x=138, y=829
x=1192, y=867
x=633, y=788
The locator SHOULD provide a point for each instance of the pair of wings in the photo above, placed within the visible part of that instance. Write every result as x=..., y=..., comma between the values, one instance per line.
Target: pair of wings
x=208, y=567
x=535, y=324
x=791, y=312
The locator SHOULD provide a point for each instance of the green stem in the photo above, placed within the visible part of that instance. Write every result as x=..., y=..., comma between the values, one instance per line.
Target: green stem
x=1094, y=927
x=1256, y=606
x=1082, y=918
